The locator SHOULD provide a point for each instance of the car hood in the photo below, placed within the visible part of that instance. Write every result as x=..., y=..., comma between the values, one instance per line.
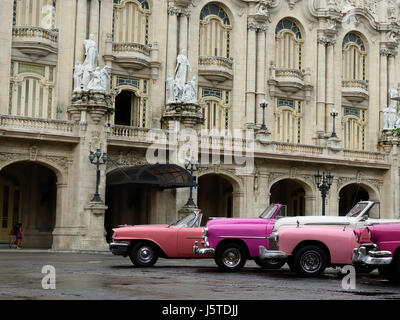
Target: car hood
x=219, y=221
x=311, y=220
x=328, y=220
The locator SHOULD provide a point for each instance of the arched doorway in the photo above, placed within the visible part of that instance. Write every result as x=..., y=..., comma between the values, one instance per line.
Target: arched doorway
x=127, y=109
x=28, y=195
x=350, y=195
x=290, y=193
x=215, y=196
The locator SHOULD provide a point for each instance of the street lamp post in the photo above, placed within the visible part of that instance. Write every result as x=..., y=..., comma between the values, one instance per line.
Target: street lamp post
x=334, y=114
x=191, y=165
x=263, y=105
x=323, y=183
x=94, y=158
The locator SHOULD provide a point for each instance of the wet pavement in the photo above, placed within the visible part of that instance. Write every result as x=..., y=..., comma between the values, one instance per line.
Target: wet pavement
x=107, y=277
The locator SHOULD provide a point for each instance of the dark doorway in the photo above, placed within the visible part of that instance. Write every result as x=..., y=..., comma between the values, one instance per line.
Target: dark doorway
x=291, y=194
x=349, y=196
x=123, y=108
x=214, y=196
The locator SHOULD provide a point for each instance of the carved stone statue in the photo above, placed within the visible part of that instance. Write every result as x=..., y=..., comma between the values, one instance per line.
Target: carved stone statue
x=182, y=64
x=87, y=76
x=90, y=52
x=391, y=119
x=78, y=73
x=190, y=92
x=177, y=89
x=262, y=7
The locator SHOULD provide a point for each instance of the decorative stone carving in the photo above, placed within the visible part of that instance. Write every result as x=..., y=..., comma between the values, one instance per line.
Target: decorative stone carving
x=178, y=90
x=87, y=76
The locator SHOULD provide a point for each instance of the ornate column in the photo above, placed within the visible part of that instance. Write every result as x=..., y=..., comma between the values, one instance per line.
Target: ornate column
x=251, y=74
x=183, y=29
x=330, y=83
x=383, y=78
x=6, y=23
x=172, y=39
x=260, y=87
x=81, y=29
x=321, y=86
x=391, y=69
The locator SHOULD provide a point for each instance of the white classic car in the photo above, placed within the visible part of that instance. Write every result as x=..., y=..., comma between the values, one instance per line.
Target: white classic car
x=364, y=213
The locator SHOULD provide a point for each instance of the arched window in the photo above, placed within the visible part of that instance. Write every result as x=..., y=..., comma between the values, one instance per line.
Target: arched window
x=35, y=13
x=354, y=125
x=131, y=22
x=288, y=45
x=215, y=32
x=32, y=91
x=131, y=103
x=216, y=109
x=354, y=58
x=288, y=121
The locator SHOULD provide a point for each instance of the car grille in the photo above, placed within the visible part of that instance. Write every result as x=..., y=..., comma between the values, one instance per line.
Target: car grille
x=272, y=244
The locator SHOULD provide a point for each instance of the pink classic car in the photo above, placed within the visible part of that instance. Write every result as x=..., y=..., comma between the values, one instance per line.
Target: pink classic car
x=309, y=249
x=234, y=240
x=380, y=249
x=144, y=244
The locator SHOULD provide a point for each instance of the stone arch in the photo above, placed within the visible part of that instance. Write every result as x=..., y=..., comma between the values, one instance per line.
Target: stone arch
x=225, y=184
x=41, y=193
x=60, y=170
x=352, y=192
x=299, y=202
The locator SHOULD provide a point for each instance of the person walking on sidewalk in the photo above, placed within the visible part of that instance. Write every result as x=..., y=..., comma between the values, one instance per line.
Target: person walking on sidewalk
x=13, y=239
x=18, y=234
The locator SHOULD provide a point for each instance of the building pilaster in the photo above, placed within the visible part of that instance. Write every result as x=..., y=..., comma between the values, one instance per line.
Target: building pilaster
x=251, y=74
x=321, y=87
x=6, y=24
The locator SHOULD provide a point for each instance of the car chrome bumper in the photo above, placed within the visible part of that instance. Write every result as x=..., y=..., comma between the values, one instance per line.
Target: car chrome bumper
x=202, y=251
x=372, y=257
x=271, y=254
x=119, y=248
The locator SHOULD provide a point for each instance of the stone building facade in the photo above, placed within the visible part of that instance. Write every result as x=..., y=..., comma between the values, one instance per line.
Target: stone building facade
x=304, y=57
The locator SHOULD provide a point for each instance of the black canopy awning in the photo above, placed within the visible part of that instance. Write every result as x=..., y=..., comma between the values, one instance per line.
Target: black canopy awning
x=155, y=175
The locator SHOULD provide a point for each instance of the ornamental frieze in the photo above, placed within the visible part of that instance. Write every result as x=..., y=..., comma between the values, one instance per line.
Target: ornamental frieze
x=60, y=162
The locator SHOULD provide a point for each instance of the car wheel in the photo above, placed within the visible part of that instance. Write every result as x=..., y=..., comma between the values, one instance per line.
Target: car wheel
x=143, y=254
x=269, y=264
x=310, y=261
x=230, y=257
x=394, y=270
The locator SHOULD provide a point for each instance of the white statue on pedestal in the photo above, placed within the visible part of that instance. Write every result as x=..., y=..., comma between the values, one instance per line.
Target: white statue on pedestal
x=390, y=117
x=90, y=52
x=182, y=64
x=178, y=90
x=87, y=76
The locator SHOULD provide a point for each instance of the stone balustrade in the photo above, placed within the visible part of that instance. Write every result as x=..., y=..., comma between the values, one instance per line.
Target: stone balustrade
x=19, y=123
x=216, y=68
x=219, y=61
x=35, y=32
x=212, y=143
x=131, y=47
x=289, y=73
x=360, y=84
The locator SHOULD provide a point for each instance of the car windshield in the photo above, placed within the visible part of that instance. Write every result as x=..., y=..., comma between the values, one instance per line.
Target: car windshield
x=357, y=209
x=188, y=221
x=269, y=212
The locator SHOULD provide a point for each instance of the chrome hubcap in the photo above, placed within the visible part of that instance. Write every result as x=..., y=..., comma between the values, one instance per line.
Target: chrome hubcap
x=232, y=257
x=310, y=261
x=145, y=254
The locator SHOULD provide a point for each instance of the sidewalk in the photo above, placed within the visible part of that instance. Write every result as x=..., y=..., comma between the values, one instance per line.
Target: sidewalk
x=4, y=248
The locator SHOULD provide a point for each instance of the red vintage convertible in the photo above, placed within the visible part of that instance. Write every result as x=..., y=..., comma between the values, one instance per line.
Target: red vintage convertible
x=144, y=244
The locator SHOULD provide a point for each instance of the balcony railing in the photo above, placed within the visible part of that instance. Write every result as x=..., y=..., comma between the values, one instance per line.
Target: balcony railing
x=216, y=68
x=131, y=47
x=37, y=125
x=35, y=32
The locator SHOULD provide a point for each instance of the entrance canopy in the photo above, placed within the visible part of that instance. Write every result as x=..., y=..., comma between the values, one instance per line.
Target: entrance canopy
x=155, y=175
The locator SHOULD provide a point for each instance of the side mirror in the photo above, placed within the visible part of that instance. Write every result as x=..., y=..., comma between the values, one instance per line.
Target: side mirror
x=364, y=217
